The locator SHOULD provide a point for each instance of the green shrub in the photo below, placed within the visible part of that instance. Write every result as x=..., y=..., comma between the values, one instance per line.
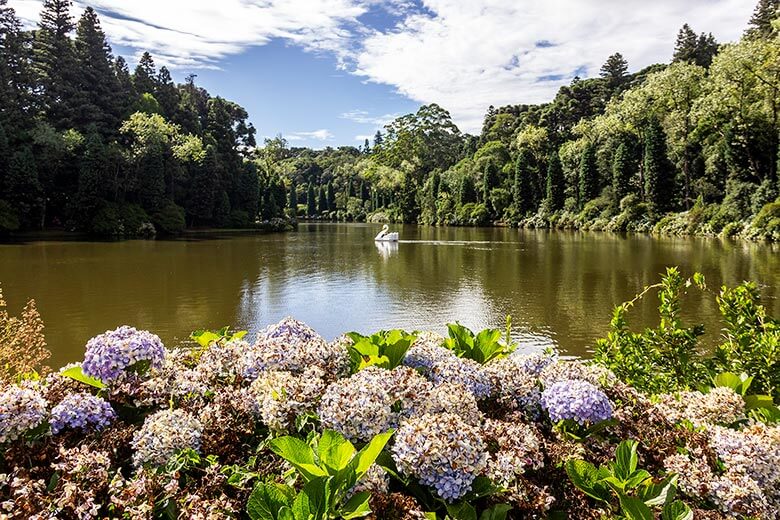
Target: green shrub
x=385, y=349
x=239, y=219
x=169, y=219
x=9, y=221
x=479, y=216
x=482, y=347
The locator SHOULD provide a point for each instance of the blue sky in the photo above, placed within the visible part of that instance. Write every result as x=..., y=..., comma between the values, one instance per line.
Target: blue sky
x=329, y=72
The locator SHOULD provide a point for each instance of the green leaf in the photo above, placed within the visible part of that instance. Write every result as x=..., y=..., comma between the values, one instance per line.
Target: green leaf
x=637, y=478
x=634, y=508
x=497, y=512
x=357, y=506
x=78, y=374
x=265, y=502
x=677, y=510
x=286, y=513
x=625, y=459
x=430, y=515
x=204, y=338
x=753, y=402
x=728, y=380
x=366, y=456
x=299, y=454
x=334, y=451
x=659, y=493
x=462, y=511
x=586, y=478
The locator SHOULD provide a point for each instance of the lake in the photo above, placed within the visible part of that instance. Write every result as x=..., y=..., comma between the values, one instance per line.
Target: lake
x=559, y=287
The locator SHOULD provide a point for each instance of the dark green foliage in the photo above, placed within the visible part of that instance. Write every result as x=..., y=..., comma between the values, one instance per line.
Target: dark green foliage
x=9, y=221
x=659, y=180
x=23, y=189
x=523, y=189
x=293, y=204
x=614, y=70
x=331, y=196
x=556, y=183
x=145, y=76
x=622, y=173
x=588, y=175
x=322, y=201
x=467, y=193
x=489, y=182
x=311, y=203
x=169, y=219
x=765, y=13
x=690, y=48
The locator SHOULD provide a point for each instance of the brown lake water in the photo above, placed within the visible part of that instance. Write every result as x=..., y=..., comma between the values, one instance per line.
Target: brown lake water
x=559, y=287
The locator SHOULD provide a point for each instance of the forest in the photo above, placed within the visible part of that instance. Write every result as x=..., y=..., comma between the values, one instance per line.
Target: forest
x=88, y=145
x=686, y=147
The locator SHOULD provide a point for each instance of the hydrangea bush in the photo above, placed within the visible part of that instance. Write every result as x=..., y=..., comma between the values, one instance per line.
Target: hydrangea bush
x=186, y=432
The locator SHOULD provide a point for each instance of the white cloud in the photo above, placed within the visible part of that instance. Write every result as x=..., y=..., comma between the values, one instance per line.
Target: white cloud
x=466, y=56
x=463, y=55
x=362, y=138
x=364, y=117
x=318, y=135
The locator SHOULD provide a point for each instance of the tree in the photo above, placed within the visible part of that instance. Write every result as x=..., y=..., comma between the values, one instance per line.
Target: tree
x=23, y=189
x=331, y=197
x=588, y=175
x=96, y=102
x=489, y=182
x=200, y=201
x=523, y=190
x=166, y=93
x=621, y=173
x=311, y=204
x=658, y=176
x=322, y=202
x=378, y=139
x=89, y=197
x=145, y=76
x=54, y=63
x=16, y=83
x=760, y=26
x=556, y=183
x=366, y=147
x=614, y=70
x=697, y=50
x=293, y=198
x=467, y=192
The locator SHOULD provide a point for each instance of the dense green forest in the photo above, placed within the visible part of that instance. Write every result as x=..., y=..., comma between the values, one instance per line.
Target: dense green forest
x=689, y=147
x=87, y=145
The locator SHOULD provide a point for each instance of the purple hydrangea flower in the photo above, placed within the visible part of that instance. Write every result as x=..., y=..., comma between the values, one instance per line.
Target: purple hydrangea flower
x=577, y=400
x=81, y=411
x=21, y=410
x=289, y=329
x=466, y=372
x=109, y=355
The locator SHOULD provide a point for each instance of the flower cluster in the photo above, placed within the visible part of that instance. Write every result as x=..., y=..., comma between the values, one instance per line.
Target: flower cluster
x=566, y=370
x=163, y=434
x=21, y=410
x=534, y=363
x=83, y=476
x=426, y=351
x=452, y=398
x=721, y=405
x=291, y=346
x=81, y=411
x=283, y=396
x=442, y=451
x=576, y=400
x=357, y=407
x=111, y=354
x=517, y=447
x=466, y=372
x=514, y=384
x=375, y=481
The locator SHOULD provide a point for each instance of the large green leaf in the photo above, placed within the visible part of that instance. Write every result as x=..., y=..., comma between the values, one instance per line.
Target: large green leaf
x=366, y=456
x=357, y=506
x=313, y=502
x=462, y=511
x=586, y=478
x=625, y=459
x=660, y=493
x=78, y=374
x=265, y=502
x=497, y=512
x=677, y=510
x=299, y=454
x=634, y=509
x=334, y=451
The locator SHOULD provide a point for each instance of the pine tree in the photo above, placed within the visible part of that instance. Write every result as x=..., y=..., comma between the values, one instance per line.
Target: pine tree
x=467, y=192
x=366, y=147
x=97, y=102
x=588, y=175
x=331, y=196
x=378, y=139
x=523, y=190
x=706, y=49
x=145, y=77
x=686, y=46
x=166, y=93
x=489, y=181
x=16, y=85
x=659, y=179
x=614, y=70
x=23, y=189
x=621, y=173
x=89, y=197
x=760, y=25
x=54, y=63
x=322, y=201
x=311, y=204
x=294, y=198
x=556, y=183
x=125, y=89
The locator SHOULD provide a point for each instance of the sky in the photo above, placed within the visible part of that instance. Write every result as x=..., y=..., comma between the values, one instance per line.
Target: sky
x=333, y=72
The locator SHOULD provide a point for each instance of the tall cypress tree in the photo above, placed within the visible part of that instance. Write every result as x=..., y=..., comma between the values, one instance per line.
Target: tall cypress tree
x=311, y=204
x=201, y=197
x=523, y=189
x=322, y=201
x=54, y=63
x=659, y=179
x=294, y=198
x=765, y=13
x=16, y=85
x=489, y=181
x=621, y=173
x=331, y=197
x=467, y=192
x=97, y=103
x=125, y=89
x=166, y=93
x=556, y=183
x=92, y=166
x=589, y=182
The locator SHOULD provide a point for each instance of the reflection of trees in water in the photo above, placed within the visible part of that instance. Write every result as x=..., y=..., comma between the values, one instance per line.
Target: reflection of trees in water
x=559, y=284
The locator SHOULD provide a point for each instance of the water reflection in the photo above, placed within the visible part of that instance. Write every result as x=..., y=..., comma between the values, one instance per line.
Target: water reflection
x=558, y=287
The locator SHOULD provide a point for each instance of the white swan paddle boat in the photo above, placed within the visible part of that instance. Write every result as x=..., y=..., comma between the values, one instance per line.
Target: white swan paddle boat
x=385, y=236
